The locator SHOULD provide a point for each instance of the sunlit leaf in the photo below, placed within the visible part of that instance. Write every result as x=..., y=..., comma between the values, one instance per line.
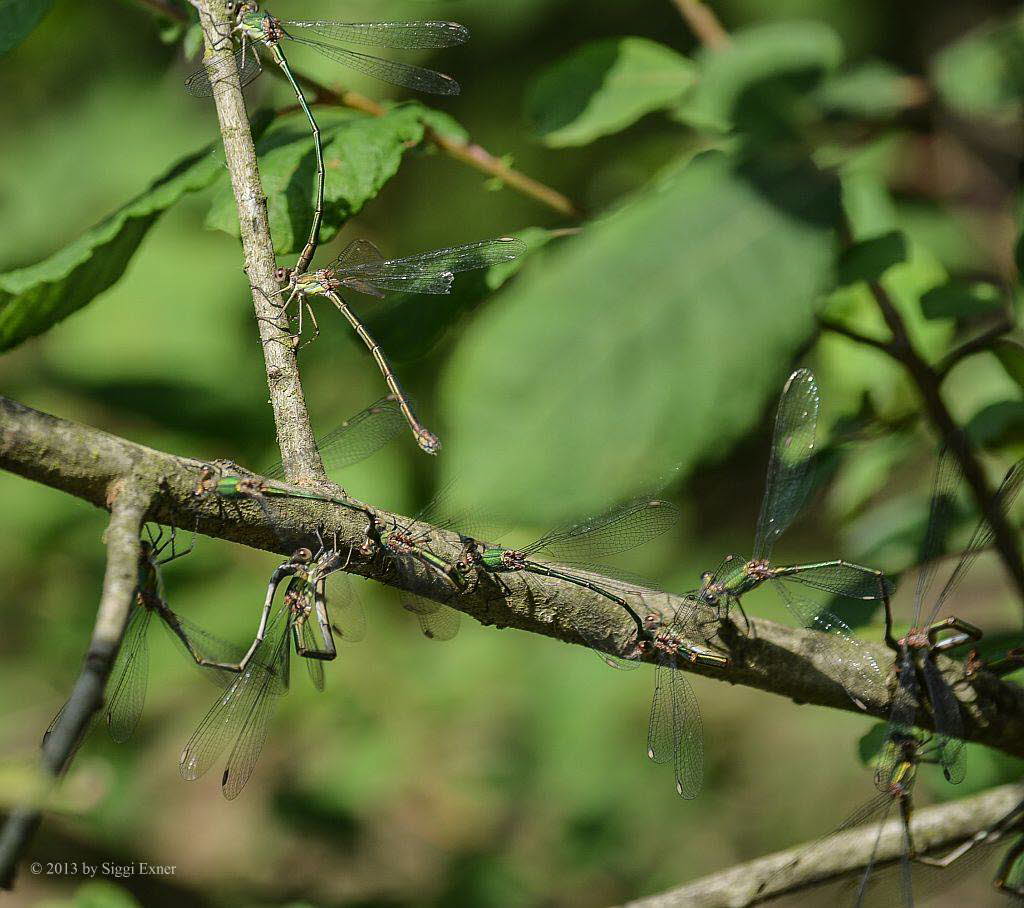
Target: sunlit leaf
x=603, y=87
x=361, y=153
x=872, y=89
x=799, y=53
x=869, y=259
x=33, y=299
x=622, y=354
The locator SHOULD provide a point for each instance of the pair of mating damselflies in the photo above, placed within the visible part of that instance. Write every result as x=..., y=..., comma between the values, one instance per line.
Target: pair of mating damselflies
x=361, y=266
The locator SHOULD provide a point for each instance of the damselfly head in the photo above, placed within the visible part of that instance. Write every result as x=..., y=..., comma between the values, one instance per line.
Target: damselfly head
x=301, y=556
x=428, y=441
x=283, y=275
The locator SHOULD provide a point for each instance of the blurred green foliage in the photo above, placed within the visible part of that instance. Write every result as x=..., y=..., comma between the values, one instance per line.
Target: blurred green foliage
x=503, y=769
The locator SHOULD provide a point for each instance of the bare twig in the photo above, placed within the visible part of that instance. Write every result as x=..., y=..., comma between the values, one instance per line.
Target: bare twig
x=936, y=830
x=974, y=345
x=294, y=435
x=704, y=23
x=843, y=330
x=772, y=657
x=928, y=382
x=129, y=504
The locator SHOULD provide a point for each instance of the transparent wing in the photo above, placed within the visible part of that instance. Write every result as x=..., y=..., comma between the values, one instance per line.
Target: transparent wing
x=391, y=71
x=844, y=579
x=675, y=731
x=790, y=466
x=348, y=613
x=205, y=644
x=239, y=710
x=399, y=35
x=941, y=515
x=617, y=530
x=437, y=621
x=245, y=62
x=981, y=539
x=847, y=656
x=130, y=678
x=949, y=726
x=315, y=667
x=427, y=272
x=357, y=438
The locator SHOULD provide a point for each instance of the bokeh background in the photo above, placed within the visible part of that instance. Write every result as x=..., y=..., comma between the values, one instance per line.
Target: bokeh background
x=499, y=768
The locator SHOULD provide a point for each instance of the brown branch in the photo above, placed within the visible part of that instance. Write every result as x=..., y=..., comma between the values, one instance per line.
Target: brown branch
x=974, y=345
x=788, y=662
x=129, y=502
x=928, y=382
x=844, y=331
x=704, y=24
x=294, y=435
x=936, y=830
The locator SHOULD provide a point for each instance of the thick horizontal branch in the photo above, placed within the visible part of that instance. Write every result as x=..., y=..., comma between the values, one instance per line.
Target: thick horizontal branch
x=787, y=661
x=936, y=831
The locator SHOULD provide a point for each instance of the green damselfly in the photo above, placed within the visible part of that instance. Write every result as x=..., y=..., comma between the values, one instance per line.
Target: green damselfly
x=362, y=267
x=261, y=28
x=915, y=652
x=240, y=716
x=357, y=438
x=790, y=473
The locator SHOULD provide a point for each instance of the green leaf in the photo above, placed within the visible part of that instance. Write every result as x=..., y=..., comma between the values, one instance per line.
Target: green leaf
x=18, y=18
x=713, y=270
x=361, y=153
x=872, y=89
x=603, y=87
x=981, y=74
x=739, y=84
x=1010, y=354
x=997, y=424
x=961, y=299
x=870, y=744
x=869, y=259
x=35, y=298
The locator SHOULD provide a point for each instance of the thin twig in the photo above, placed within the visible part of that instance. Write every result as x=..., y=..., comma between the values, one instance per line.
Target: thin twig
x=704, y=24
x=974, y=345
x=928, y=383
x=299, y=453
x=772, y=657
x=841, y=329
x=127, y=512
x=936, y=830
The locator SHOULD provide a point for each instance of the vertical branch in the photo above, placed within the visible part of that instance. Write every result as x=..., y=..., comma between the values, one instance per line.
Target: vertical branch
x=127, y=513
x=294, y=435
x=928, y=382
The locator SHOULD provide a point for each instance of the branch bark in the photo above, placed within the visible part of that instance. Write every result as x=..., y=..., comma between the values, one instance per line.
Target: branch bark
x=299, y=453
x=703, y=23
x=782, y=660
x=936, y=830
x=130, y=499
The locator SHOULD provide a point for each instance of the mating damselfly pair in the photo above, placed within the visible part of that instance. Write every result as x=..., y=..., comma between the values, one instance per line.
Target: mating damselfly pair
x=360, y=267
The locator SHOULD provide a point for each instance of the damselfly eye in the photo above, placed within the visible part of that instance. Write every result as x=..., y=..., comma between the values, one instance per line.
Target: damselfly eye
x=281, y=275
